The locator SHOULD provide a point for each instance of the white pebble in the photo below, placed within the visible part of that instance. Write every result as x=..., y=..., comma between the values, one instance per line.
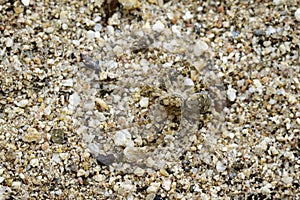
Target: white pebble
x=297, y=14
x=90, y=34
x=25, y=2
x=9, y=42
x=133, y=153
x=34, y=162
x=166, y=184
x=22, y=103
x=220, y=166
x=74, y=99
x=158, y=26
x=200, y=47
x=139, y=171
x=188, y=82
x=153, y=188
x=16, y=185
x=123, y=138
x=67, y=82
x=231, y=94
x=144, y=102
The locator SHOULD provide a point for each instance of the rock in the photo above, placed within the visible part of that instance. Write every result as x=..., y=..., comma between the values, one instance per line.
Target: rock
x=130, y=4
x=74, y=99
x=90, y=34
x=16, y=185
x=139, y=171
x=32, y=135
x=166, y=184
x=220, y=167
x=231, y=94
x=188, y=82
x=22, y=103
x=123, y=138
x=25, y=2
x=67, y=82
x=9, y=42
x=144, y=102
x=158, y=26
x=105, y=159
x=34, y=162
x=200, y=47
x=297, y=14
x=153, y=188
x=134, y=153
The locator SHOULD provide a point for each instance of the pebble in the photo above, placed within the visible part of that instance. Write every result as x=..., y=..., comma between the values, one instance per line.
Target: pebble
x=220, y=167
x=16, y=185
x=123, y=138
x=200, y=47
x=153, y=188
x=74, y=99
x=139, y=171
x=130, y=4
x=67, y=82
x=22, y=103
x=105, y=159
x=231, y=94
x=158, y=26
x=189, y=82
x=34, y=162
x=90, y=34
x=166, y=184
x=297, y=14
x=25, y=2
x=9, y=42
x=144, y=102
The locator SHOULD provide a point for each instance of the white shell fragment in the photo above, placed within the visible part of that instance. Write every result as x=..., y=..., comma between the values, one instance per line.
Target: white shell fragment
x=101, y=103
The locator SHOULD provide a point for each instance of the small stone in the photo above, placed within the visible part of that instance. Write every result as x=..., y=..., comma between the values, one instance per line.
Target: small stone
x=153, y=188
x=134, y=153
x=105, y=159
x=2, y=179
x=130, y=4
x=158, y=26
x=220, y=167
x=58, y=136
x=188, y=82
x=9, y=42
x=166, y=184
x=32, y=135
x=99, y=178
x=231, y=94
x=74, y=99
x=297, y=14
x=139, y=171
x=25, y=2
x=22, y=103
x=34, y=162
x=200, y=47
x=81, y=172
x=144, y=102
x=16, y=185
x=67, y=82
x=123, y=138
x=90, y=34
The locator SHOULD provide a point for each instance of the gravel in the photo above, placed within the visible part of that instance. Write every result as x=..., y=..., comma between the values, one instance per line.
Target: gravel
x=164, y=100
